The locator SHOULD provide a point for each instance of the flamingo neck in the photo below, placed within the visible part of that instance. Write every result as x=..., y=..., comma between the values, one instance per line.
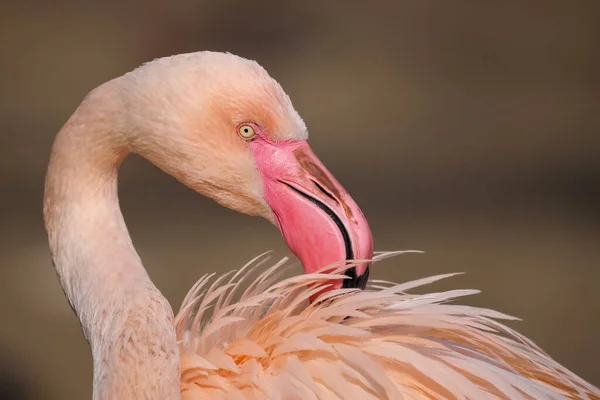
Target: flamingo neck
x=124, y=317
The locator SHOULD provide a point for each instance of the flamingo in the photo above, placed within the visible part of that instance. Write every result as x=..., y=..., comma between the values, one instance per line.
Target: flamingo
x=222, y=126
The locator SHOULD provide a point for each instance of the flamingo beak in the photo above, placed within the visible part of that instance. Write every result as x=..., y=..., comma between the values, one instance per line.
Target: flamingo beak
x=318, y=219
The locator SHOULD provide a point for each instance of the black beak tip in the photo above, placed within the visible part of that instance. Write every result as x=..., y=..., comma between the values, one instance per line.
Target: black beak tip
x=356, y=282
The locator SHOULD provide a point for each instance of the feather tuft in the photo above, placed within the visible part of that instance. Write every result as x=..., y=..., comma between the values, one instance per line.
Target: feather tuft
x=380, y=343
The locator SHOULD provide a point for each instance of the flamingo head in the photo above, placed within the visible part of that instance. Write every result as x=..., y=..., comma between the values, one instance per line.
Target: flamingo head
x=222, y=126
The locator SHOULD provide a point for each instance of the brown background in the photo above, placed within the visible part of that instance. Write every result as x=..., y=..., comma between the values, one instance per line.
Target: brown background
x=467, y=129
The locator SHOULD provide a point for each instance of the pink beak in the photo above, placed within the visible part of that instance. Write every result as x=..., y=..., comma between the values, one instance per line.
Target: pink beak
x=320, y=222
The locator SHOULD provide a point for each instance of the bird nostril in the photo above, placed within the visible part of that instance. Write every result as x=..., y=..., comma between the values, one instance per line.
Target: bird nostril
x=322, y=190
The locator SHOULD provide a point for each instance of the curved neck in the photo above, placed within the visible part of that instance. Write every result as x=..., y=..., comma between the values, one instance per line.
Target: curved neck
x=124, y=317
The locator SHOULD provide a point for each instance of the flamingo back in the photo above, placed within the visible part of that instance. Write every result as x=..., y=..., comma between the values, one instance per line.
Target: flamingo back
x=380, y=343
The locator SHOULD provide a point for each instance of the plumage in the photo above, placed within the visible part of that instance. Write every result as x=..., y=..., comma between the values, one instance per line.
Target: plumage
x=251, y=334
x=381, y=343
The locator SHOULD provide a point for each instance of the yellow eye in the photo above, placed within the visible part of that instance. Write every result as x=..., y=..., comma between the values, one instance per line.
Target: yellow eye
x=246, y=131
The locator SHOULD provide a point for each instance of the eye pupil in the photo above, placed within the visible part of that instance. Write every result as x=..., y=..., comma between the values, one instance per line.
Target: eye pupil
x=246, y=131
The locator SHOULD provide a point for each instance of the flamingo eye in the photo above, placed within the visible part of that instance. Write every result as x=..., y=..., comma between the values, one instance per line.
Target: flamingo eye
x=246, y=131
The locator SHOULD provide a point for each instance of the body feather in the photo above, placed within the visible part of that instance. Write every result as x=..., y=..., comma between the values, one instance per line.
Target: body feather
x=381, y=343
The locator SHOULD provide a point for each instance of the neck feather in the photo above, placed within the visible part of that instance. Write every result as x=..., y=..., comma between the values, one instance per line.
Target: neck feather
x=125, y=318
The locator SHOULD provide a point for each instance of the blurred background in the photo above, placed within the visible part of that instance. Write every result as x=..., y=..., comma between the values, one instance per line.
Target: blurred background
x=469, y=130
